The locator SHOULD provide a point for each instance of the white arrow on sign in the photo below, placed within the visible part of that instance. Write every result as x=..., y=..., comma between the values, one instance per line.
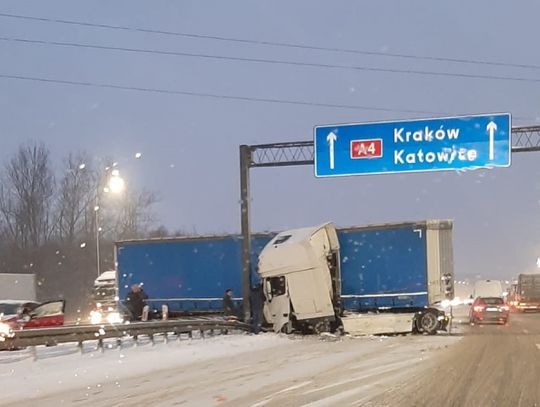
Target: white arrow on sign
x=491, y=128
x=331, y=139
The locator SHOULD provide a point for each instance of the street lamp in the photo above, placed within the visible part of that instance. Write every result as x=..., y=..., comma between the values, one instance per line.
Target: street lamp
x=115, y=184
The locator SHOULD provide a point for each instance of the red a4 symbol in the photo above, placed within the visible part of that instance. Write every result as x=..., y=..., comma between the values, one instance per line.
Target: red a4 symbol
x=366, y=148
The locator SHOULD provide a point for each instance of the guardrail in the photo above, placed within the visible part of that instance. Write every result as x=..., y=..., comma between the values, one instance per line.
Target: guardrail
x=82, y=333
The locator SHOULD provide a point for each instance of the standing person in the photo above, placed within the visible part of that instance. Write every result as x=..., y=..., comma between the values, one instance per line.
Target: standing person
x=135, y=302
x=229, y=310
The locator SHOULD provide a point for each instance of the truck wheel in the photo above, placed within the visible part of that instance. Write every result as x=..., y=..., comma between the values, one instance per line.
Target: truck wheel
x=288, y=328
x=429, y=322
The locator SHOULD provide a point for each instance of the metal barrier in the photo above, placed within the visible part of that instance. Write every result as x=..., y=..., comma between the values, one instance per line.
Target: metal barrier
x=82, y=333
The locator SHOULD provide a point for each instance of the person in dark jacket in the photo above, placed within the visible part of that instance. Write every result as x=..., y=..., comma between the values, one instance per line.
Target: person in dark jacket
x=228, y=304
x=135, y=301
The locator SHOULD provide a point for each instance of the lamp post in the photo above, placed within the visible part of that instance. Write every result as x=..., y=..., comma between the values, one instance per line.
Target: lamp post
x=115, y=184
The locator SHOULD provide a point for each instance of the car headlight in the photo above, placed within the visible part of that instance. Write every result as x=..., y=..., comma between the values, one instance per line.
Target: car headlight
x=5, y=331
x=95, y=317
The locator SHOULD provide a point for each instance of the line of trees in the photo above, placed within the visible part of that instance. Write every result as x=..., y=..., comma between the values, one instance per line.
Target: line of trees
x=47, y=220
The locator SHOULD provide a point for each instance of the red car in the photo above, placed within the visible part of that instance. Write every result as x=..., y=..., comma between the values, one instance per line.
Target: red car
x=489, y=309
x=29, y=315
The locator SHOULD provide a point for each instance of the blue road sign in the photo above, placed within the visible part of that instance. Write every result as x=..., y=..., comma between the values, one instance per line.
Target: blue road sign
x=450, y=143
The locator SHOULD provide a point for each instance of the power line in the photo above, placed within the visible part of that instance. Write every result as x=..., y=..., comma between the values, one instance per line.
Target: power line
x=227, y=97
x=209, y=95
x=270, y=43
x=269, y=61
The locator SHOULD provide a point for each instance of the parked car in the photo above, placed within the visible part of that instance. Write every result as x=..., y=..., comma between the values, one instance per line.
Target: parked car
x=489, y=309
x=45, y=315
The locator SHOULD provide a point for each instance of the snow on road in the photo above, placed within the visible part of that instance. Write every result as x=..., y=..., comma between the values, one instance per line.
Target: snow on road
x=236, y=370
x=62, y=368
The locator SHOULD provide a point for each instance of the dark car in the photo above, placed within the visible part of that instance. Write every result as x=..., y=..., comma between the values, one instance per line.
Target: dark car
x=489, y=309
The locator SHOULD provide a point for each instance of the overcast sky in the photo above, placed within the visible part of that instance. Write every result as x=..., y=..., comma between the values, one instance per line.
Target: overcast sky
x=190, y=143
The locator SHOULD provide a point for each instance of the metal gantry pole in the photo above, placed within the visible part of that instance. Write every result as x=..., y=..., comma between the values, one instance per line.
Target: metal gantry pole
x=245, y=163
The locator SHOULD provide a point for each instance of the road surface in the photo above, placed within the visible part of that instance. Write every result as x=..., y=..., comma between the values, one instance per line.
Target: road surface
x=481, y=366
x=492, y=366
x=292, y=372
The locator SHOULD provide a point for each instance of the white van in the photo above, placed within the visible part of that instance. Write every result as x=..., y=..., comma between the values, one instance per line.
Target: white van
x=488, y=288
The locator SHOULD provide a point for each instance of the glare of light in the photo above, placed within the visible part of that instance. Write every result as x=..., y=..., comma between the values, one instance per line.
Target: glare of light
x=115, y=173
x=114, y=164
x=96, y=208
x=538, y=262
x=5, y=331
x=95, y=317
x=83, y=245
x=114, y=318
x=116, y=184
x=82, y=166
x=445, y=303
x=138, y=155
x=455, y=302
x=106, y=190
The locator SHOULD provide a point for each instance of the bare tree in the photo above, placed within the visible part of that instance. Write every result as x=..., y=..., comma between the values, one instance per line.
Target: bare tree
x=26, y=196
x=159, y=232
x=134, y=215
x=76, y=192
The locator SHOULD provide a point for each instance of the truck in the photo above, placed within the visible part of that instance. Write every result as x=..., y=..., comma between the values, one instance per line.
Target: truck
x=371, y=279
x=487, y=288
x=397, y=271
x=105, y=305
x=18, y=287
x=528, y=292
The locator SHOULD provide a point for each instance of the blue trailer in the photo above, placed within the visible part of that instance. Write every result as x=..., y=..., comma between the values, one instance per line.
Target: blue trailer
x=188, y=274
x=396, y=266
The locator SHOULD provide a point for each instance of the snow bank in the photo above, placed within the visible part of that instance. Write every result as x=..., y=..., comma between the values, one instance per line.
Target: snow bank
x=63, y=368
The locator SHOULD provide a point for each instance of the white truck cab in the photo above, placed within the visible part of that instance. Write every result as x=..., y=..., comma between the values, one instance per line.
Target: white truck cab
x=300, y=271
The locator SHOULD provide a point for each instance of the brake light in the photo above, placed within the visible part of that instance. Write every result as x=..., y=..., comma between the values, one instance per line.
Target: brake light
x=478, y=308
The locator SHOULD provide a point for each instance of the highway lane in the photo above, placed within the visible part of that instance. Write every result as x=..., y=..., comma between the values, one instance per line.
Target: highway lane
x=486, y=365
x=492, y=366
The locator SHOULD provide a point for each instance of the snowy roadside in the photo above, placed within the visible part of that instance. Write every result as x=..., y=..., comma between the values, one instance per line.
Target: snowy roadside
x=62, y=368
x=231, y=370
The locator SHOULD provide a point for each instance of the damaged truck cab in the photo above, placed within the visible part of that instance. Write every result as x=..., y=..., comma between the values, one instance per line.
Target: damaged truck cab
x=300, y=271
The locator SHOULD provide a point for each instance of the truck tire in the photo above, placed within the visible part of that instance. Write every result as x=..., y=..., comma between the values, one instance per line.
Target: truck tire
x=429, y=322
x=288, y=328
